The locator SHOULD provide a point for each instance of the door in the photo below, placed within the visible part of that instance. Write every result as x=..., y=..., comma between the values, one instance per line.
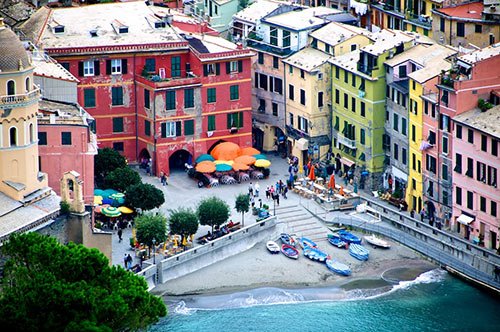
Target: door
x=493, y=240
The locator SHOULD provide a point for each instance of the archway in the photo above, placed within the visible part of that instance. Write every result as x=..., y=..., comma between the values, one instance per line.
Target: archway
x=144, y=156
x=214, y=145
x=178, y=159
x=257, y=138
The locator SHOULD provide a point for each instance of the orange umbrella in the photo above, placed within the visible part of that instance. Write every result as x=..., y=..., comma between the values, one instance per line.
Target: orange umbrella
x=245, y=159
x=240, y=167
x=226, y=151
x=249, y=151
x=312, y=177
x=99, y=208
x=205, y=167
x=331, y=183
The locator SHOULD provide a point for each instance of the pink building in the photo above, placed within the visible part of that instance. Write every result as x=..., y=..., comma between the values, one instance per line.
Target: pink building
x=65, y=144
x=477, y=197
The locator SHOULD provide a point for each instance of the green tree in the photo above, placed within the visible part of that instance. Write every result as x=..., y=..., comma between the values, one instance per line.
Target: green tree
x=47, y=286
x=212, y=211
x=144, y=196
x=105, y=161
x=122, y=178
x=242, y=205
x=183, y=221
x=149, y=227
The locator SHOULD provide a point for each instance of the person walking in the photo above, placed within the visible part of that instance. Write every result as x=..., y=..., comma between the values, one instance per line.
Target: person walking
x=125, y=261
x=250, y=189
x=120, y=233
x=257, y=189
x=285, y=191
x=129, y=261
x=277, y=199
x=268, y=193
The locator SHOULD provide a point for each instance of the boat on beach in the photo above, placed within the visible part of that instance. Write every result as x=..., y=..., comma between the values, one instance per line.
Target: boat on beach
x=338, y=267
x=287, y=239
x=359, y=252
x=273, y=247
x=336, y=241
x=377, y=242
x=305, y=242
x=315, y=254
x=349, y=237
x=289, y=251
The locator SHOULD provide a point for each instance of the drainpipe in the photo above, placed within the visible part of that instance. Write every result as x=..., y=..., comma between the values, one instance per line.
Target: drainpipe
x=153, y=168
x=136, y=115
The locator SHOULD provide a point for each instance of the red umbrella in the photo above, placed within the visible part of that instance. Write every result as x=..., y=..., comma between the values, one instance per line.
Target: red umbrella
x=312, y=177
x=331, y=183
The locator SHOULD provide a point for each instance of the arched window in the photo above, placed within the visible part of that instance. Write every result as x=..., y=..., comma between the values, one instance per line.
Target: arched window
x=11, y=88
x=32, y=133
x=28, y=84
x=13, y=136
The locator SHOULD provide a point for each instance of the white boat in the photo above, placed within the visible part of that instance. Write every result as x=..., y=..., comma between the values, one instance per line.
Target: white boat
x=377, y=242
x=273, y=247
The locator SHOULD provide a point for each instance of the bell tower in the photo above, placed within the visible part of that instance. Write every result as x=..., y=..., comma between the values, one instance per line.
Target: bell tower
x=20, y=176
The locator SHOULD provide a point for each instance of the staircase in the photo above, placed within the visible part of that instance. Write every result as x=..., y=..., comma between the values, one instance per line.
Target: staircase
x=299, y=221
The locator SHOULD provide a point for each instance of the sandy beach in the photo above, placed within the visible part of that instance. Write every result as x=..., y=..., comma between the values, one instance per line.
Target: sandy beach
x=257, y=268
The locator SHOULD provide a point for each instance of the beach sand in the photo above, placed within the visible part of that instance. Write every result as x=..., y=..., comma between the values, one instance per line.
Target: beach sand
x=257, y=268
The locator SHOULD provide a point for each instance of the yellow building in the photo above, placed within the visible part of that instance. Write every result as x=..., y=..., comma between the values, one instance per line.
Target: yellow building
x=20, y=178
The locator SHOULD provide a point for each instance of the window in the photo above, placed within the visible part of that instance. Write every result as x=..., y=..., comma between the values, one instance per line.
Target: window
x=478, y=28
x=11, y=88
x=320, y=99
x=235, y=120
x=275, y=109
x=170, y=100
x=413, y=133
x=337, y=72
x=402, y=71
x=430, y=189
x=363, y=109
x=66, y=138
x=470, y=167
x=403, y=126
x=274, y=36
x=159, y=25
x=337, y=96
x=116, y=95
x=65, y=65
x=211, y=95
x=482, y=204
x=419, y=167
x=176, y=66
x=211, y=69
x=278, y=85
x=290, y=119
x=362, y=136
x=150, y=65
x=353, y=81
x=260, y=58
x=470, y=136
x=118, y=125
x=470, y=200
x=302, y=73
x=404, y=156
x=480, y=171
x=89, y=97
x=290, y=69
x=116, y=66
x=147, y=101
x=413, y=106
x=445, y=198
x=263, y=81
x=494, y=147
x=444, y=171
x=413, y=184
x=346, y=76
x=286, y=38
x=432, y=137
x=458, y=130
x=327, y=48
x=460, y=29
x=234, y=92
x=234, y=67
x=169, y=129
x=189, y=127
x=337, y=123
x=276, y=62
x=442, y=24
x=458, y=163
x=188, y=98
x=492, y=176
x=484, y=143
x=302, y=96
x=445, y=144
x=42, y=138
x=431, y=164
x=147, y=128
x=396, y=151
x=395, y=122
x=303, y=125
x=346, y=101
x=414, y=161
x=88, y=68
x=458, y=195
x=118, y=146
x=493, y=208
x=211, y=123
x=353, y=104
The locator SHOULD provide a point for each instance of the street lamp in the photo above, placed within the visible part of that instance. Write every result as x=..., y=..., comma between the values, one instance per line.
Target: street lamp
x=154, y=251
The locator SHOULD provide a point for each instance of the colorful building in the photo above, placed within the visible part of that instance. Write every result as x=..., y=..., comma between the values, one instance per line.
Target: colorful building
x=154, y=91
x=218, y=13
x=358, y=99
x=476, y=23
x=477, y=195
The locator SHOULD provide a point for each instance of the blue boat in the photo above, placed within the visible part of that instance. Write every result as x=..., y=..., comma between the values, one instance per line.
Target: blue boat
x=305, y=242
x=287, y=239
x=359, y=252
x=289, y=251
x=338, y=267
x=349, y=237
x=315, y=254
x=336, y=241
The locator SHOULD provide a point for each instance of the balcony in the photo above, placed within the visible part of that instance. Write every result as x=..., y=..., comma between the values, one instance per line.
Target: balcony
x=159, y=82
x=20, y=99
x=389, y=8
x=265, y=47
x=351, y=144
x=421, y=20
x=365, y=69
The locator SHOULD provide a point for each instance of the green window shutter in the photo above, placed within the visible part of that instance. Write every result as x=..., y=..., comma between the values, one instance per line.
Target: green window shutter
x=124, y=66
x=164, y=130
x=228, y=67
x=240, y=66
x=176, y=66
x=147, y=128
x=147, y=102
x=117, y=95
x=229, y=120
x=362, y=136
x=240, y=120
x=205, y=70
x=234, y=93
x=211, y=122
x=118, y=125
x=188, y=98
x=211, y=95
x=178, y=128
x=188, y=127
x=217, y=69
x=170, y=100
x=89, y=97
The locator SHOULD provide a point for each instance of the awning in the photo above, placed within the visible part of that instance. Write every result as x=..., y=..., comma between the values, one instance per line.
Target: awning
x=302, y=144
x=425, y=145
x=347, y=162
x=464, y=219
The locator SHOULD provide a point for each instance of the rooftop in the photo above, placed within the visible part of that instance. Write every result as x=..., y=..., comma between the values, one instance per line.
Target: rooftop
x=470, y=10
x=13, y=56
x=95, y=25
x=349, y=62
x=308, y=59
x=258, y=10
x=386, y=40
x=304, y=19
x=488, y=122
x=433, y=69
x=482, y=54
x=211, y=44
x=47, y=67
x=62, y=113
x=335, y=33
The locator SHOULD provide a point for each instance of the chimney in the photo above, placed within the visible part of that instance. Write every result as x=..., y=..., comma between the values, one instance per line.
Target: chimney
x=239, y=46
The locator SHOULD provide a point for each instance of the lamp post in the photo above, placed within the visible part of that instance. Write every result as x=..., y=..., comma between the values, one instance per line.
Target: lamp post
x=154, y=251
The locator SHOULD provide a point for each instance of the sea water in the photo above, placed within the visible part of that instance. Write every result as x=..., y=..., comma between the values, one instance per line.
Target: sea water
x=435, y=301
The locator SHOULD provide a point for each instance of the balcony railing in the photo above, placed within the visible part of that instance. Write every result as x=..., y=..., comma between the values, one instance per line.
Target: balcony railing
x=365, y=68
x=160, y=82
x=20, y=98
x=263, y=46
x=351, y=144
x=422, y=20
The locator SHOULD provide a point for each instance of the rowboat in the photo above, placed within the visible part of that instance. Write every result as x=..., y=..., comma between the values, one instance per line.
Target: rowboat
x=289, y=251
x=377, y=242
x=273, y=247
x=338, y=267
x=349, y=237
x=359, y=252
x=336, y=241
x=305, y=242
x=287, y=239
x=315, y=254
